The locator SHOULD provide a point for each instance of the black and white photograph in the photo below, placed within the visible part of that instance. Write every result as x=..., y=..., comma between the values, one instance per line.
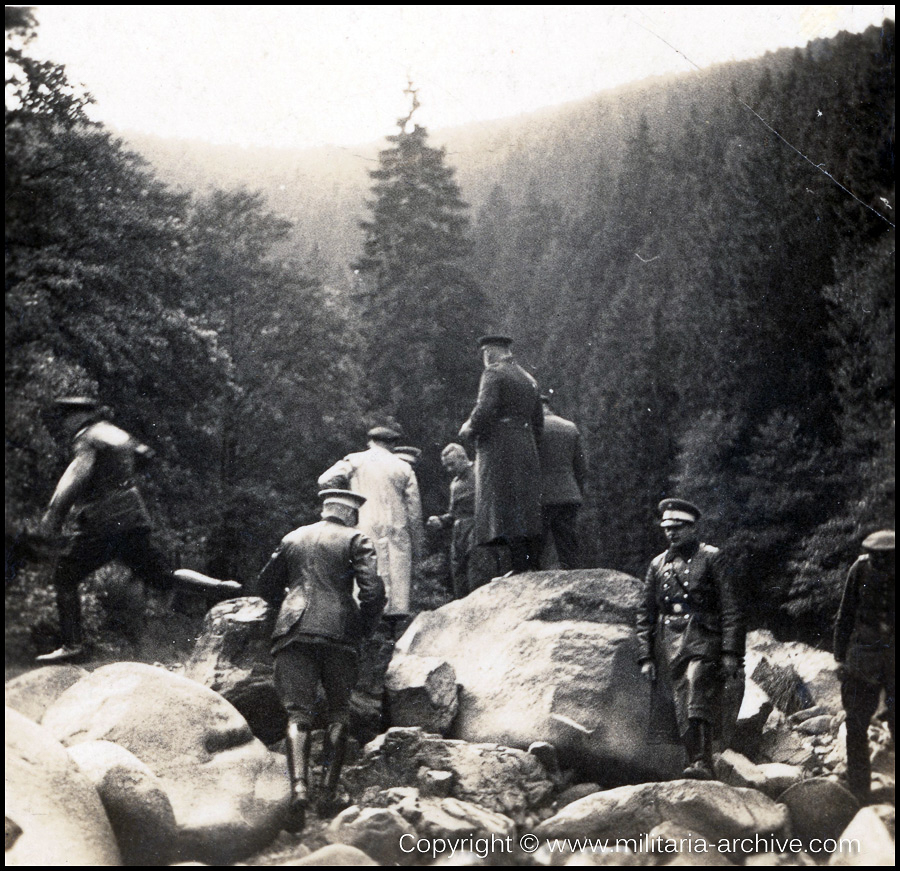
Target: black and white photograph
x=450, y=435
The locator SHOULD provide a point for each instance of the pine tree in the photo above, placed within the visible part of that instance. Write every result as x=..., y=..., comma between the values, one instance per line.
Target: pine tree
x=422, y=309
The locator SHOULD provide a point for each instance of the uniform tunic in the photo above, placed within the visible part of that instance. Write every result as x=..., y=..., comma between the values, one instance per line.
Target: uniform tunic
x=311, y=579
x=687, y=618
x=506, y=421
x=391, y=516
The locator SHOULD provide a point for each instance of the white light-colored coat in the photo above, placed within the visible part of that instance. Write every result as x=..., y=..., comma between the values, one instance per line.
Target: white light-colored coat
x=391, y=516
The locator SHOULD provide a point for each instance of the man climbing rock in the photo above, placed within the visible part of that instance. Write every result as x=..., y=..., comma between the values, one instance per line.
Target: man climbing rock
x=310, y=582
x=691, y=637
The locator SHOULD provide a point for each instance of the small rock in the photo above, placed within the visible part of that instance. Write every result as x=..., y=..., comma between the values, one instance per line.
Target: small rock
x=753, y=716
x=435, y=783
x=379, y=830
x=673, y=843
x=820, y=725
x=736, y=770
x=421, y=691
x=866, y=841
x=778, y=777
x=819, y=809
x=806, y=714
x=333, y=854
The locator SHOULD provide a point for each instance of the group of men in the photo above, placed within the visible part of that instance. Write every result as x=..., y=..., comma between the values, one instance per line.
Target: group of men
x=330, y=582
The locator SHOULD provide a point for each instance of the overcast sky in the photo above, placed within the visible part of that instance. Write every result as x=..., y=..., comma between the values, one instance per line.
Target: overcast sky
x=313, y=75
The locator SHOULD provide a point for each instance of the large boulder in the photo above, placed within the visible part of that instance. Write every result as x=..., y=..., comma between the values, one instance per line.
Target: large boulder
x=33, y=692
x=421, y=691
x=820, y=809
x=52, y=810
x=134, y=799
x=232, y=657
x=227, y=791
x=709, y=808
x=550, y=656
x=501, y=779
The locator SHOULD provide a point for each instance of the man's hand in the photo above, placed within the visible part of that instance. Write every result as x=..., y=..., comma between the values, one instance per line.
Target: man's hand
x=465, y=431
x=648, y=671
x=434, y=522
x=731, y=665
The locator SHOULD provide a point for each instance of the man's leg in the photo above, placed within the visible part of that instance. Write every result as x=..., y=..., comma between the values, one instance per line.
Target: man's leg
x=83, y=555
x=702, y=686
x=340, y=669
x=296, y=681
x=564, y=525
x=524, y=554
x=860, y=700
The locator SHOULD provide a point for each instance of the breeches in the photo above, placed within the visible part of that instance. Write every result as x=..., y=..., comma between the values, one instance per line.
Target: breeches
x=300, y=668
x=860, y=699
x=561, y=523
x=692, y=685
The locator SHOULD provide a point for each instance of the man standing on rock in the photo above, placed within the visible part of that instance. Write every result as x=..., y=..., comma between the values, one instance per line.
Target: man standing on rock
x=505, y=424
x=690, y=635
x=864, y=647
x=392, y=514
x=310, y=581
x=563, y=473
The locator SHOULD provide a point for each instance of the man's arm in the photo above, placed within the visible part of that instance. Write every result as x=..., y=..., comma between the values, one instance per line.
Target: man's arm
x=413, y=503
x=846, y=616
x=70, y=486
x=372, y=598
x=272, y=581
x=646, y=618
x=732, y=620
x=485, y=406
x=338, y=476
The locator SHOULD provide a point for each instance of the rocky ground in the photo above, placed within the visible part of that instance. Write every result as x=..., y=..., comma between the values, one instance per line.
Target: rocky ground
x=512, y=720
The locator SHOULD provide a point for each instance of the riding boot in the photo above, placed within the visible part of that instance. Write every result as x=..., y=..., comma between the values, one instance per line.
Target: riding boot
x=335, y=751
x=699, y=748
x=297, y=743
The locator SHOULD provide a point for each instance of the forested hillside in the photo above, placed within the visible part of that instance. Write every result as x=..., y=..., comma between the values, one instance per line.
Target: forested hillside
x=711, y=301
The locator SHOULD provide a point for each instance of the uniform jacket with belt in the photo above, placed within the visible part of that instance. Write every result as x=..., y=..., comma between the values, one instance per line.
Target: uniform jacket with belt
x=864, y=631
x=563, y=467
x=506, y=421
x=689, y=593
x=310, y=578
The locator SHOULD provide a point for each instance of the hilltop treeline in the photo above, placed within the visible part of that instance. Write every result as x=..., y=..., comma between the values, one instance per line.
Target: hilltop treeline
x=711, y=307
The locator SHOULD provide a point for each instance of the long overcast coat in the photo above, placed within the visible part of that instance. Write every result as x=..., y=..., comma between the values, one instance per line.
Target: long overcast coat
x=391, y=516
x=505, y=423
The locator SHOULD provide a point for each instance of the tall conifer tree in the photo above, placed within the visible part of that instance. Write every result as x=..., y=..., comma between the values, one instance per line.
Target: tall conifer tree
x=422, y=308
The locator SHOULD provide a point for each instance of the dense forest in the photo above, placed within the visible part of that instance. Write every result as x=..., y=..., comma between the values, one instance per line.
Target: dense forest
x=700, y=268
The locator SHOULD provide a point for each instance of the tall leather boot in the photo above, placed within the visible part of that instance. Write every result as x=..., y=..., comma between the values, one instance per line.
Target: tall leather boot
x=297, y=743
x=335, y=751
x=699, y=747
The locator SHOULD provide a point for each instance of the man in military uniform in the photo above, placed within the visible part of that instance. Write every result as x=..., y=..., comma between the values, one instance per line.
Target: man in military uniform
x=391, y=515
x=864, y=646
x=460, y=519
x=563, y=473
x=690, y=636
x=505, y=424
x=310, y=581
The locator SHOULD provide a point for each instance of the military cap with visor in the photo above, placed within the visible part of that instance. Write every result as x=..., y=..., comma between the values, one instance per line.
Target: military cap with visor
x=76, y=403
x=499, y=341
x=677, y=511
x=347, y=498
x=383, y=434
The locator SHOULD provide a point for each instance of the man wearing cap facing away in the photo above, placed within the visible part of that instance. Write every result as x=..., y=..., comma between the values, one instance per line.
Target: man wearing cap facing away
x=505, y=425
x=310, y=582
x=690, y=635
x=392, y=513
x=864, y=647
